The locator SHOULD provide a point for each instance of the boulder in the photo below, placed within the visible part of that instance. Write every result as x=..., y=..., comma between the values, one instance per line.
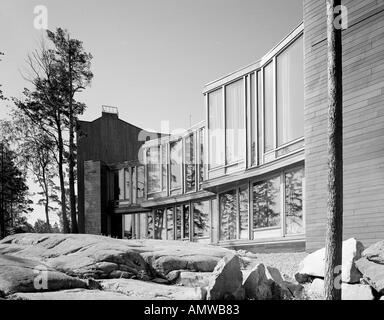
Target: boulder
x=193, y=279
x=94, y=256
x=73, y=294
x=373, y=273
x=166, y=256
x=348, y=291
x=144, y=290
x=282, y=289
x=25, y=275
x=256, y=284
x=313, y=264
x=226, y=280
x=371, y=265
x=375, y=252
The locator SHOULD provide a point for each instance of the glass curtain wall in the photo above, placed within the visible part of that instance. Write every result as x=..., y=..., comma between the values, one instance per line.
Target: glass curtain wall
x=235, y=122
x=216, y=129
x=290, y=93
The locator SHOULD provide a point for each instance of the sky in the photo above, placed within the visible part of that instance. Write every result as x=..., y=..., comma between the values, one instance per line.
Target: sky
x=151, y=58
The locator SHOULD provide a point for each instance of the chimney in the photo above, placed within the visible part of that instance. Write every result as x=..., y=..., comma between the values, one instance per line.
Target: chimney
x=108, y=111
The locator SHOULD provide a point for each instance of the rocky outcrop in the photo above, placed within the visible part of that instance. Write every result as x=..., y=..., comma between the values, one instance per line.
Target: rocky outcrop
x=371, y=265
x=226, y=280
x=313, y=265
x=73, y=294
x=143, y=290
x=348, y=291
x=85, y=255
x=193, y=279
x=25, y=275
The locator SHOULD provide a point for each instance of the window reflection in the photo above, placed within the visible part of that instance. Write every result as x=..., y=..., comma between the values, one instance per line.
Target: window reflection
x=190, y=163
x=170, y=224
x=266, y=203
x=160, y=224
x=186, y=221
x=243, y=212
x=294, y=201
x=153, y=169
x=201, y=224
x=228, y=218
x=175, y=167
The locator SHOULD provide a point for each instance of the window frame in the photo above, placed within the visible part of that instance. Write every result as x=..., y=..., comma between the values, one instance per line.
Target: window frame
x=277, y=152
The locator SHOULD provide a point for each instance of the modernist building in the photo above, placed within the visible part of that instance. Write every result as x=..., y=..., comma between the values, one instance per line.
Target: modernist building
x=253, y=175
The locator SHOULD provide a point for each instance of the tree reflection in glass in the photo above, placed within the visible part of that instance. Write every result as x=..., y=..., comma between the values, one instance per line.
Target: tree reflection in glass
x=186, y=221
x=201, y=219
x=159, y=222
x=190, y=168
x=266, y=203
x=228, y=219
x=170, y=224
x=294, y=201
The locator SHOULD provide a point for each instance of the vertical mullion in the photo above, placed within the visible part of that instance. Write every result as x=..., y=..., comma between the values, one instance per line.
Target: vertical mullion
x=168, y=167
x=190, y=222
x=303, y=201
x=196, y=157
x=224, y=128
x=274, y=104
x=256, y=116
x=145, y=174
x=282, y=203
x=250, y=208
x=246, y=80
x=130, y=191
x=206, y=137
x=238, y=213
x=262, y=115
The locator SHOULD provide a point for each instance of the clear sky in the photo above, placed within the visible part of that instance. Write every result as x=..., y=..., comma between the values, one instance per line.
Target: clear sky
x=151, y=57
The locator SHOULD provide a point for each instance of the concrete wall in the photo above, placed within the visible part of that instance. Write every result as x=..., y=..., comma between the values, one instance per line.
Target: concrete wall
x=363, y=115
x=95, y=204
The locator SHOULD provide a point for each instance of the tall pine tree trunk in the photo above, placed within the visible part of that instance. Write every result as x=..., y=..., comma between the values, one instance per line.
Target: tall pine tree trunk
x=72, y=197
x=2, y=210
x=334, y=234
x=61, y=177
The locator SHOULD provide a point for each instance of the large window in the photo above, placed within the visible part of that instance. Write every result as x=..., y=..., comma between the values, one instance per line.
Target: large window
x=294, y=201
x=153, y=169
x=234, y=121
x=216, y=128
x=228, y=216
x=243, y=212
x=201, y=155
x=170, y=224
x=164, y=165
x=128, y=226
x=201, y=219
x=140, y=182
x=175, y=167
x=160, y=224
x=234, y=214
x=266, y=203
x=268, y=107
x=179, y=222
x=290, y=93
x=190, y=163
x=186, y=215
